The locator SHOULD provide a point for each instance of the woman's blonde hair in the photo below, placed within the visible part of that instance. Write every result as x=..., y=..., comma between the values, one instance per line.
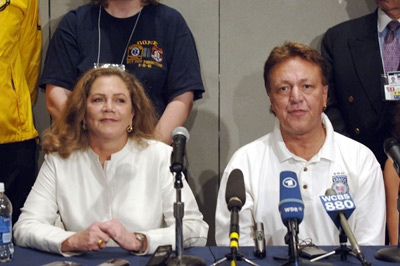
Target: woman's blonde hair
x=67, y=135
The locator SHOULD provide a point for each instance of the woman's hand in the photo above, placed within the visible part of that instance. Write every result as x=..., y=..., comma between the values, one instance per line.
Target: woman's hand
x=125, y=239
x=93, y=238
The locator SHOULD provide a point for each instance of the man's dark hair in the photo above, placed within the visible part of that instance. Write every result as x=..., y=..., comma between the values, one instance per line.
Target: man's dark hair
x=290, y=50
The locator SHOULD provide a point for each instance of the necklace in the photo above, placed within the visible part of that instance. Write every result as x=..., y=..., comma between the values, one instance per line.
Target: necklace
x=121, y=65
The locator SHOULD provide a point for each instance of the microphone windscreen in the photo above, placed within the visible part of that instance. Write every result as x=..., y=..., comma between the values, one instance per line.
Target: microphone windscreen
x=389, y=143
x=330, y=191
x=235, y=195
x=291, y=204
x=392, y=150
x=180, y=131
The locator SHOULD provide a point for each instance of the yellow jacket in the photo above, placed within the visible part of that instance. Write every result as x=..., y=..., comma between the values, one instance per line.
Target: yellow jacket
x=20, y=53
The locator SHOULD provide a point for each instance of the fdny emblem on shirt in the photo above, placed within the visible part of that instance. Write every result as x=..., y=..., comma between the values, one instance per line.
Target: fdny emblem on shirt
x=339, y=183
x=145, y=54
x=156, y=54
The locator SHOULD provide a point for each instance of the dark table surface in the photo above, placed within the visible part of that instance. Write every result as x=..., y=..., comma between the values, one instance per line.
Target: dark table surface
x=24, y=256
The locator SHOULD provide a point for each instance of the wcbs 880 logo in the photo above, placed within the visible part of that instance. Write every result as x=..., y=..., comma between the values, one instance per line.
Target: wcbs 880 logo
x=334, y=204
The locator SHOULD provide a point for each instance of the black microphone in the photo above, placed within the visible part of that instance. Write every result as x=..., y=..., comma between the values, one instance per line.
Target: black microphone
x=235, y=197
x=392, y=150
x=342, y=217
x=259, y=240
x=179, y=137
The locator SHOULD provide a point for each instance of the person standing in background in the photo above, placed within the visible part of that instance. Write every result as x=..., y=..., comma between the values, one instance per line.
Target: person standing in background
x=20, y=52
x=149, y=39
x=355, y=52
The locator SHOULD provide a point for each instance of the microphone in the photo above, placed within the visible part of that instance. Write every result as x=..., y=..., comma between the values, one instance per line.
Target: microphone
x=392, y=150
x=179, y=137
x=259, y=240
x=339, y=208
x=235, y=197
x=291, y=207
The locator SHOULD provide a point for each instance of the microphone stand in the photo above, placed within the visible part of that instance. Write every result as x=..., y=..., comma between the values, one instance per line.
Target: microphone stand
x=179, y=258
x=391, y=254
x=292, y=240
x=343, y=250
x=233, y=257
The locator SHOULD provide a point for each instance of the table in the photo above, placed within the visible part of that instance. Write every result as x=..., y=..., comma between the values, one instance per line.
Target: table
x=31, y=257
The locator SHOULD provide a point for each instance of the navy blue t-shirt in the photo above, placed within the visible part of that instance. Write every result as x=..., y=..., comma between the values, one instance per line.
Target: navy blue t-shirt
x=162, y=52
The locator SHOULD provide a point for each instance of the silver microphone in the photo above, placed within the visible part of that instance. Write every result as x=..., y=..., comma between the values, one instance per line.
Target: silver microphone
x=259, y=240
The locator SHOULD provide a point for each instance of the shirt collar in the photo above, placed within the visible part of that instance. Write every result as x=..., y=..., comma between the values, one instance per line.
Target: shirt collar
x=383, y=20
x=115, y=156
x=326, y=151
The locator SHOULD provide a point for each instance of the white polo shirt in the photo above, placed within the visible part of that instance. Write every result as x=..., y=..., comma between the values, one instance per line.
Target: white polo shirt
x=341, y=163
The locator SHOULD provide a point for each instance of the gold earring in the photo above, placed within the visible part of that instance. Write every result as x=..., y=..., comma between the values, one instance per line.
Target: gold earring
x=84, y=127
x=129, y=129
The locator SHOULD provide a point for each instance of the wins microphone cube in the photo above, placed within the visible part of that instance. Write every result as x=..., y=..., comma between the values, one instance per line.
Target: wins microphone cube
x=334, y=204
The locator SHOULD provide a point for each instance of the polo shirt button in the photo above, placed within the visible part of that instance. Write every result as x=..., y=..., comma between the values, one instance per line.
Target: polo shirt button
x=357, y=131
x=305, y=186
x=351, y=99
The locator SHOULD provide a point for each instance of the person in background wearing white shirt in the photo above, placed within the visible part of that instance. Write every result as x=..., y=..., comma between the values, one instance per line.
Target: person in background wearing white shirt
x=303, y=141
x=106, y=176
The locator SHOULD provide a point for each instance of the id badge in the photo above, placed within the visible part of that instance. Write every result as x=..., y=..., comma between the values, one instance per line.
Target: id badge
x=391, y=86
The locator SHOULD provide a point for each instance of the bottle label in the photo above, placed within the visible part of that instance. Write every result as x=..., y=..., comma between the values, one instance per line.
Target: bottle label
x=5, y=230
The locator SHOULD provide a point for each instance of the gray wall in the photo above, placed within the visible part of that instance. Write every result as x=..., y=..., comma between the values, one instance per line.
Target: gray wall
x=234, y=38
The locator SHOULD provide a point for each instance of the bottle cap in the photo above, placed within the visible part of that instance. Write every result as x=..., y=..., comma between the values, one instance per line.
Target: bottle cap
x=1, y=187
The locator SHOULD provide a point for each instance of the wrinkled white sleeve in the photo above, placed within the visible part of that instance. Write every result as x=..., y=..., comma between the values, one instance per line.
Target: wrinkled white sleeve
x=194, y=230
x=35, y=227
x=370, y=212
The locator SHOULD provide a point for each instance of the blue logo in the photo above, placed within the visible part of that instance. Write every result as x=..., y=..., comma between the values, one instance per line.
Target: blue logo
x=135, y=51
x=340, y=184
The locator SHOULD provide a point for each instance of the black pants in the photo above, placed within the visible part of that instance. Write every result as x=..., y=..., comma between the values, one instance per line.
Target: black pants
x=18, y=170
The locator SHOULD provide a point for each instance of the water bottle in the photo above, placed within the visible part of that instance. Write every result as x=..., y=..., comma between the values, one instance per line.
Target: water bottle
x=6, y=243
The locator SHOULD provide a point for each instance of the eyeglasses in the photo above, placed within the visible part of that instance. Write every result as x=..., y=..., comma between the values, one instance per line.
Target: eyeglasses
x=121, y=67
x=5, y=5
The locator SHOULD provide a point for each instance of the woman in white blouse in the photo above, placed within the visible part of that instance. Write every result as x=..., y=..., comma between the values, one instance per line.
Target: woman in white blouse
x=106, y=176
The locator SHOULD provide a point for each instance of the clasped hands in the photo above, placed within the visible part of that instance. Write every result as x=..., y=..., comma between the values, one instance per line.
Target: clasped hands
x=97, y=235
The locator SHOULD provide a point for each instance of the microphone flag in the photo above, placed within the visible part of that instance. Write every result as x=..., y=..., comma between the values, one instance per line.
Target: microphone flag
x=336, y=203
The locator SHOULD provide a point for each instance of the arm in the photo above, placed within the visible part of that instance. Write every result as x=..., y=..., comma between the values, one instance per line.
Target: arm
x=175, y=114
x=35, y=227
x=56, y=97
x=392, y=190
x=125, y=239
x=369, y=198
x=194, y=229
x=31, y=40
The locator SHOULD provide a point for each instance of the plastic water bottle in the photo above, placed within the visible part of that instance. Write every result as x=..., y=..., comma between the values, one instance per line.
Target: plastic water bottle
x=6, y=243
